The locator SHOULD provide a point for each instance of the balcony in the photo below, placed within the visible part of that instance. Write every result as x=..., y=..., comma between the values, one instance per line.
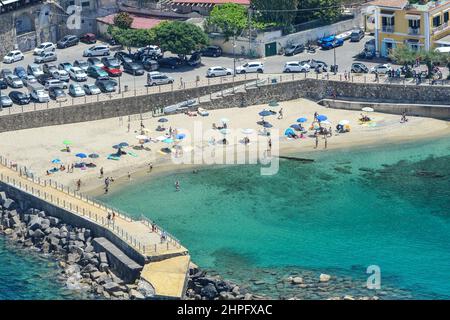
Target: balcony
x=439, y=28
x=414, y=31
x=388, y=28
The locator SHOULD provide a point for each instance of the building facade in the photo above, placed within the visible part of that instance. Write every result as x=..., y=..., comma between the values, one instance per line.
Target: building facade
x=420, y=26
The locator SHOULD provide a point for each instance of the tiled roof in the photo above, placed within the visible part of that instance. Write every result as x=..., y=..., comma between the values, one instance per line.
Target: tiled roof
x=139, y=22
x=398, y=4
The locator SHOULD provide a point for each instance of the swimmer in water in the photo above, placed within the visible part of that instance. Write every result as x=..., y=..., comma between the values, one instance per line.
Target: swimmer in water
x=177, y=185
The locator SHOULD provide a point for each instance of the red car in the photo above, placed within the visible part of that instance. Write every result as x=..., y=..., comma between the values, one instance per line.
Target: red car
x=88, y=38
x=112, y=72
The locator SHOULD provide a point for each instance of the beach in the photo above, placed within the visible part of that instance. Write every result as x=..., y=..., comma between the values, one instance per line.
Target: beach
x=36, y=148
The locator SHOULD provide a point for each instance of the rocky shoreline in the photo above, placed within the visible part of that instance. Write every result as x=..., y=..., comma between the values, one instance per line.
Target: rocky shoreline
x=82, y=268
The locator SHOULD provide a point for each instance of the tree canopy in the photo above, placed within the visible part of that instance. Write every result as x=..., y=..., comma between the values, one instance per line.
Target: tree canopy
x=230, y=18
x=123, y=20
x=181, y=38
x=132, y=37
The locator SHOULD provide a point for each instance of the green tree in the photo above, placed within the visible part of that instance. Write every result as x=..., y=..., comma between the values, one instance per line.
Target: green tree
x=181, y=38
x=132, y=37
x=431, y=59
x=331, y=11
x=123, y=20
x=280, y=12
x=404, y=56
x=230, y=18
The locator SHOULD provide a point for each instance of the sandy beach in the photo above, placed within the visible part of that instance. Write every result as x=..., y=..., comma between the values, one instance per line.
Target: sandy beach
x=36, y=148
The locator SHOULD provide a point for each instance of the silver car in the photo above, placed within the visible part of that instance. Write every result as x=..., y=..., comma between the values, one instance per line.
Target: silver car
x=97, y=50
x=157, y=78
x=35, y=70
x=75, y=90
x=5, y=101
x=62, y=75
x=29, y=79
x=14, y=81
x=45, y=57
x=91, y=89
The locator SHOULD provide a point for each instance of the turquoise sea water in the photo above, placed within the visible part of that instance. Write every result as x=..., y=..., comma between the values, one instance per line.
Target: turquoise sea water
x=387, y=206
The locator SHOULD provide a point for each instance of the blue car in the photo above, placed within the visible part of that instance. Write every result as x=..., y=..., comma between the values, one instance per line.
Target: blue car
x=325, y=39
x=20, y=72
x=332, y=44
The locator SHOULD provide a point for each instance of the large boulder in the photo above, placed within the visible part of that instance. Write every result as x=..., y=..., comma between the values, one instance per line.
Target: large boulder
x=111, y=286
x=209, y=291
x=9, y=204
x=324, y=277
x=35, y=223
x=53, y=221
x=136, y=295
x=3, y=197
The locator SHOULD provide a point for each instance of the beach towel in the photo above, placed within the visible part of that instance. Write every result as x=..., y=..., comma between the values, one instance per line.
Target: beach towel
x=113, y=157
x=132, y=154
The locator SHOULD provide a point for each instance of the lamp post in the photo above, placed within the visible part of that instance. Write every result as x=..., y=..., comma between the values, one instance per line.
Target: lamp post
x=334, y=59
x=234, y=54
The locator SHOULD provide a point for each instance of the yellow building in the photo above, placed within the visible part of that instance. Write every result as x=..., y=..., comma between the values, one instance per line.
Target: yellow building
x=420, y=25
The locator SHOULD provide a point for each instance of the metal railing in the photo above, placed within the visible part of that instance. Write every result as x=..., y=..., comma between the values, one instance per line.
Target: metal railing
x=388, y=28
x=32, y=185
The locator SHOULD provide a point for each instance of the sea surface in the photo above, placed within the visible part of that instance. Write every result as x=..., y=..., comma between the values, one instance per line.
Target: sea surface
x=387, y=206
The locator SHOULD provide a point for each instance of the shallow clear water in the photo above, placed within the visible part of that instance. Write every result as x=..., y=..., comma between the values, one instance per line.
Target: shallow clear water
x=326, y=216
x=27, y=275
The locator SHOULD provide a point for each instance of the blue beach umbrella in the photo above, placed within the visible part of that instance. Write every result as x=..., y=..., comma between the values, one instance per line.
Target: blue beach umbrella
x=163, y=120
x=295, y=126
x=274, y=103
x=116, y=146
x=289, y=131
x=81, y=155
x=267, y=125
x=93, y=156
x=322, y=117
x=301, y=120
x=57, y=161
x=180, y=136
x=123, y=144
x=265, y=113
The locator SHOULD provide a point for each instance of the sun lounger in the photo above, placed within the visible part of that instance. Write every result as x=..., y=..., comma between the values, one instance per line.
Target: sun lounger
x=113, y=157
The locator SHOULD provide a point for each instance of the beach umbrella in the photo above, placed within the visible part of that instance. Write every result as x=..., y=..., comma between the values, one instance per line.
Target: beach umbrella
x=301, y=120
x=224, y=120
x=116, y=146
x=224, y=131
x=67, y=142
x=265, y=113
x=163, y=120
x=94, y=156
x=168, y=140
x=141, y=137
x=123, y=144
x=180, y=136
x=57, y=161
x=367, y=109
x=322, y=117
x=247, y=131
x=344, y=122
x=267, y=125
x=273, y=103
x=295, y=126
x=81, y=155
x=325, y=122
x=289, y=131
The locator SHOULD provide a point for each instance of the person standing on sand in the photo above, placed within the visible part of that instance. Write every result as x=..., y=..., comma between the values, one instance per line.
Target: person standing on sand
x=316, y=135
x=129, y=126
x=150, y=167
x=129, y=175
x=280, y=114
x=326, y=141
x=101, y=172
x=78, y=184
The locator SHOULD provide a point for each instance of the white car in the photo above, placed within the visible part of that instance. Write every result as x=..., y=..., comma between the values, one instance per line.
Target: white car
x=35, y=70
x=40, y=95
x=62, y=75
x=97, y=50
x=218, y=71
x=14, y=81
x=249, y=67
x=157, y=78
x=28, y=80
x=77, y=74
x=55, y=83
x=45, y=57
x=75, y=90
x=381, y=68
x=44, y=47
x=91, y=89
x=295, y=66
x=13, y=56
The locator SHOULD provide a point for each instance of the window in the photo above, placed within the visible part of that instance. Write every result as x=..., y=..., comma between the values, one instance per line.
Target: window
x=414, y=24
x=446, y=14
x=437, y=21
x=85, y=4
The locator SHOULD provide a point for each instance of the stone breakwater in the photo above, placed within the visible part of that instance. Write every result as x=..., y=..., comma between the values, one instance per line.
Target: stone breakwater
x=82, y=268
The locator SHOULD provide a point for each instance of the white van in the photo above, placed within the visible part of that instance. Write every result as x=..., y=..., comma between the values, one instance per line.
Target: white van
x=443, y=49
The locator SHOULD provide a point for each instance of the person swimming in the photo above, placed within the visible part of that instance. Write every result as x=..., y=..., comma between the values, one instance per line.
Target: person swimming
x=177, y=185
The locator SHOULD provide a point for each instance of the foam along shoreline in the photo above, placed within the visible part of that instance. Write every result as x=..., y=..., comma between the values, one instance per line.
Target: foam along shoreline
x=36, y=148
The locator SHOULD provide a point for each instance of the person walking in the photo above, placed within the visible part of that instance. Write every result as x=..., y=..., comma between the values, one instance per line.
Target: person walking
x=326, y=141
x=78, y=184
x=280, y=114
x=101, y=172
x=129, y=126
x=129, y=175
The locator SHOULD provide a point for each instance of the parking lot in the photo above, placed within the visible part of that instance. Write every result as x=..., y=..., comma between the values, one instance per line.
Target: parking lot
x=345, y=56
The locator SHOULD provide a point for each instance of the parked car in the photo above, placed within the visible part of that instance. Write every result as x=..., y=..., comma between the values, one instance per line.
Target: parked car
x=359, y=68
x=77, y=74
x=195, y=59
x=96, y=72
x=150, y=65
x=381, y=69
x=249, y=67
x=75, y=90
x=91, y=89
x=19, y=97
x=356, y=35
x=95, y=62
x=336, y=42
x=42, y=79
x=5, y=72
x=88, y=38
x=170, y=62
x=134, y=68
x=14, y=81
x=294, y=49
x=34, y=70
x=150, y=50
x=123, y=57
x=5, y=101
x=29, y=80
x=44, y=47
x=314, y=64
x=20, y=72
x=57, y=94
x=38, y=94
x=67, y=41
x=211, y=51
x=82, y=64
x=13, y=56
x=62, y=75
x=3, y=84
x=113, y=72
x=218, y=71
x=295, y=66
x=157, y=78
x=45, y=57
x=97, y=50
x=55, y=83
x=65, y=66
x=106, y=86
x=48, y=68
x=111, y=62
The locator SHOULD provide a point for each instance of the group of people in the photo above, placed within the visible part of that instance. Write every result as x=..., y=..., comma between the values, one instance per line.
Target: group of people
x=364, y=118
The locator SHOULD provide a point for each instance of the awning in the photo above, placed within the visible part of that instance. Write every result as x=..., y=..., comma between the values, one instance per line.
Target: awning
x=412, y=17
x=444, y=41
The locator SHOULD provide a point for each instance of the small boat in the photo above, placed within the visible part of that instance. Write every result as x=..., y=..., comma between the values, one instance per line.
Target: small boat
x=344, y=36
x=202, y=112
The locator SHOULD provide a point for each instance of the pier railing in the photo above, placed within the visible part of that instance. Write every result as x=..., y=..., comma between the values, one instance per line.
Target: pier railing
x=35, y=186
